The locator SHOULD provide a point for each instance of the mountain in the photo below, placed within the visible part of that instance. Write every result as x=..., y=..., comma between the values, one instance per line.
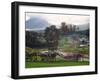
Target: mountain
x=83, y=27
x=36, y=23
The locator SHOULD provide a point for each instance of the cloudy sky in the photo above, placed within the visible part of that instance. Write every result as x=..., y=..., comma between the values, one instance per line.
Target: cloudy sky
x=36, y=21
x=56, y=19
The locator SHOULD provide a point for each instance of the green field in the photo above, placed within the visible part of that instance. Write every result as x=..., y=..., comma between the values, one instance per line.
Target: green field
x=54, y=64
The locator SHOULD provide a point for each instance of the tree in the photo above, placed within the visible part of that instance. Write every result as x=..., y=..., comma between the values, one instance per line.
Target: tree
x=34, y=39
x=74, y=27
x=52, y=37
x=64, y=28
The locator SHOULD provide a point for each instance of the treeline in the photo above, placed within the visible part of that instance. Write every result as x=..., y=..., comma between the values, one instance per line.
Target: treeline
x=34, y=39
x=68, y=28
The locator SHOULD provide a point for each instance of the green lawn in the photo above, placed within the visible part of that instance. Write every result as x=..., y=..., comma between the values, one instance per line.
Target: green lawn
x=54, y=64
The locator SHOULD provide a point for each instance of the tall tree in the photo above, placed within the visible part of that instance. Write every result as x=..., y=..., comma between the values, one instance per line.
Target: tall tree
x=52, y=37
x=64, y=28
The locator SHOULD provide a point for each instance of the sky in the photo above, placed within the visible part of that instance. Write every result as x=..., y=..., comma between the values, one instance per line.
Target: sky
x=56, y=19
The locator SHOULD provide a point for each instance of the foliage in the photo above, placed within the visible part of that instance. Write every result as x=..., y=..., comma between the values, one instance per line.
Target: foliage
x=63, y=42
x=51, y=36
x=65, y=46
x=34, y=39
x=84, y=50
x=55, y=64
x=30, y=50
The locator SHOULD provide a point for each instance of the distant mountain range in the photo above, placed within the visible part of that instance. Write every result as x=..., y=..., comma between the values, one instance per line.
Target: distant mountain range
x=83, y=27
x=36, y=23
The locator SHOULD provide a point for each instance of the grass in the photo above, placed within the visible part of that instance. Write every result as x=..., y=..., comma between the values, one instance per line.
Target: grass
x=55, y=64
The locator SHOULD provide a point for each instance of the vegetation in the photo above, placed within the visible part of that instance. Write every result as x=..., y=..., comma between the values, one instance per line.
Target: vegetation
x=52, y=37
x=55, y=64
x=66, y=46
x=65, y=40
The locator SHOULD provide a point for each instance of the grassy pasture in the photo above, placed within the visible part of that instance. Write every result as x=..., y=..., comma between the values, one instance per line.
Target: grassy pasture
x=55, y=64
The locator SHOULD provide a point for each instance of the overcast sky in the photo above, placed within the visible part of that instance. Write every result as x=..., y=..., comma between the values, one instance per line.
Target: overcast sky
x=56, y=19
